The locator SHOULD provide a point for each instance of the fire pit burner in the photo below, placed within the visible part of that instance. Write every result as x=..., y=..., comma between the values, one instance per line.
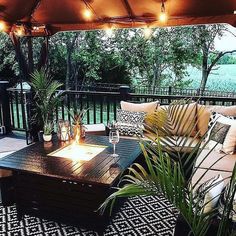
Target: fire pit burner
x=79, y=152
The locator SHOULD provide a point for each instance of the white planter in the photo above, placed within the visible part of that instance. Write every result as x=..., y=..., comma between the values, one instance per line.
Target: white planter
x=47, y=137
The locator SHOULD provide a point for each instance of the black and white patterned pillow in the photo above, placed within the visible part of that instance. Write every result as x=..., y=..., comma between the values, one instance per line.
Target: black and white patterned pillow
x=129, y=129
x=214, y=116
x=208, y=193
x=223, y=200
x=130, y=117
x=130, y=123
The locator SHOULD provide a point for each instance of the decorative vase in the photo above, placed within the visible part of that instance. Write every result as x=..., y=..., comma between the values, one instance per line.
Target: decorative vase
x=63, y=132
x=47, y=137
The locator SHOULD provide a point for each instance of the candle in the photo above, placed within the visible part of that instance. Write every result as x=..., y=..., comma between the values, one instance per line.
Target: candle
x=64, y=133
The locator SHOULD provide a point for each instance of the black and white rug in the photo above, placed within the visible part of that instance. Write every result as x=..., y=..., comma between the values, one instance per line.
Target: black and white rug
x=139, y=216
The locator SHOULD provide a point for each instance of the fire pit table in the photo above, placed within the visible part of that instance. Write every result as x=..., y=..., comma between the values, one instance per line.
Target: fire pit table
x=51, y=180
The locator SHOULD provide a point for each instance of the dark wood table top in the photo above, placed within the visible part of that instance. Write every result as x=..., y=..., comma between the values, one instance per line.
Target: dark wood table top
x=34, y=159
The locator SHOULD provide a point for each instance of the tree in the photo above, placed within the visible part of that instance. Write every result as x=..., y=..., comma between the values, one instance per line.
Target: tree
x=9, y=68
x=203, y=37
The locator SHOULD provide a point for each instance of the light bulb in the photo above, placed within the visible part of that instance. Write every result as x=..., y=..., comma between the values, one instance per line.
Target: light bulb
x=87, y=14
x=109, y=32
x=2, y=26
x=163, y=17
x=147, y=32
x=19, y=32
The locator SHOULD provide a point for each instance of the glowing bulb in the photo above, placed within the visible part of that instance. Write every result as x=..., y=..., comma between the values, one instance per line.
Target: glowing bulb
x=19, y=32
x=234, y=12
x=87, y=14
x=163, y=17
x=109, y=32
x=2, y=26
x=147, y=32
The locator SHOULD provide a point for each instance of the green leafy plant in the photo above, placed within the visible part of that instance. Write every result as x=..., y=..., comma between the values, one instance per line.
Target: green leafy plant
x=78, y=125
x=77, y=115
x=171, y=165
x=47, y=128
x=46, y=97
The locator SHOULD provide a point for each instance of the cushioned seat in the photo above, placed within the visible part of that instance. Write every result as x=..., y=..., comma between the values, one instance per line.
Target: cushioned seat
x=225, y=164
x=98, y=129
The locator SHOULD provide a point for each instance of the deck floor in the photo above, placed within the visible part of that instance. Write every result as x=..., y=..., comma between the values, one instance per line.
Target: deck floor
x=11, y=143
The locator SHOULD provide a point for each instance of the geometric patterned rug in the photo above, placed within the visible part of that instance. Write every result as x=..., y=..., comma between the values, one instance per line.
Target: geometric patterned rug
x=139, y=216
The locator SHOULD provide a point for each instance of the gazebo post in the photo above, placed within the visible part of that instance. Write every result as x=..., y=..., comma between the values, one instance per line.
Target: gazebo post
x=43, y=54
x=30, y=55
x=20, y=57
x=25, y=70
x=23, y=75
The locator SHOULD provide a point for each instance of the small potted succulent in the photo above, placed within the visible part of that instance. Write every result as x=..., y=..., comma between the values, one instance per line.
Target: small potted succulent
x=47, y=131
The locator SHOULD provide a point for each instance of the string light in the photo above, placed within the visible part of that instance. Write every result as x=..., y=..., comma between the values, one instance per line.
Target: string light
x=19, y=31
x=163, y=16
x=35, y=28
x=2, y=26
x=87, y=13
x=147, y=32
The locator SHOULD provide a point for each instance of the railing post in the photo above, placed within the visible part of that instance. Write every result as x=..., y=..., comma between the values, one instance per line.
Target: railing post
x=5, y=106
x=170, y=90
x=124, y=92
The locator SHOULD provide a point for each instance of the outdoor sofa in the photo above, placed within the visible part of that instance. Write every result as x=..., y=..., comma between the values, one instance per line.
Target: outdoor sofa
x=206, y=117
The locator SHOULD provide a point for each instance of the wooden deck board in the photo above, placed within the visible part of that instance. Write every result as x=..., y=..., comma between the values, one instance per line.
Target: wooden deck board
x=10, y=144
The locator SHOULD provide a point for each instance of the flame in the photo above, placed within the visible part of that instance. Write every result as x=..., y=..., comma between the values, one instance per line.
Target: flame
x=79, y=152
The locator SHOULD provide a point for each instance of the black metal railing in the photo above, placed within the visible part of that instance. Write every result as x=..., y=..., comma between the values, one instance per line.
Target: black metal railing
x=180, y=91
x=102, y=106
x=106, y=87
x=19, y=107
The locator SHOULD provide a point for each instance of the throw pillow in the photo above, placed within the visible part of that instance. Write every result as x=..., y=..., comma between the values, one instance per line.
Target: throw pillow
x=130, y=123
x=203, y=117
x=213, y=117
x=219, y=132
x=229, y=143
x=223, y=199
x=223, y=110
x=129, y=129
x=148, y=107
x=183, y=118
x=130, y=117
x=209, y=193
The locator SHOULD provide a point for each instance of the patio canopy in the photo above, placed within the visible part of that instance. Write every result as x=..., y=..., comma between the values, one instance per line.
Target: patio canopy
x=46, y=17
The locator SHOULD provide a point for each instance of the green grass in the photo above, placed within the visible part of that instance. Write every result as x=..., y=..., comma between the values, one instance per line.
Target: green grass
x=223, y=79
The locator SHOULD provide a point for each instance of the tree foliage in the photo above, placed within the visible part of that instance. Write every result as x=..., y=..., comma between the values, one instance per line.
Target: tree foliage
x=125, y=57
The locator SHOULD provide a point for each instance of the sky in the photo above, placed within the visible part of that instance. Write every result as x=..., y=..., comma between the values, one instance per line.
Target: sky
x=227, y=42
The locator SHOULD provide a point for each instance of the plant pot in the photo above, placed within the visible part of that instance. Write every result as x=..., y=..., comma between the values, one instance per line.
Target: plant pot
x=182, y=228
x=47, y=137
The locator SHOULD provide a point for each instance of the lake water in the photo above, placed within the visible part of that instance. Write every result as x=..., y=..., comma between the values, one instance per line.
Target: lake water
x=222, y=79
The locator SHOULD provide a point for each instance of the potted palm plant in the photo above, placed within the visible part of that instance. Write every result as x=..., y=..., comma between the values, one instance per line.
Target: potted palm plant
x=169, y=172
x=46, y=100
